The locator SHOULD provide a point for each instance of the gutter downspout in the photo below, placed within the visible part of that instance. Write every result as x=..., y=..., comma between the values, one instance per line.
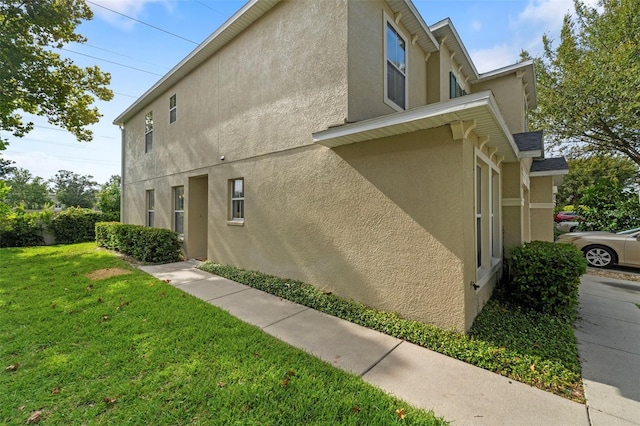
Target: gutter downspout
x=122, y=174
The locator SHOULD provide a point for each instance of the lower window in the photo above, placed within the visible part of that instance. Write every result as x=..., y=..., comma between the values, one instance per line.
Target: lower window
x=178, y=210
x=236, y=190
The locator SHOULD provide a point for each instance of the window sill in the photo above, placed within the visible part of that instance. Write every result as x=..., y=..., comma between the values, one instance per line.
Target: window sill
x=235, y=222
x=484, y=274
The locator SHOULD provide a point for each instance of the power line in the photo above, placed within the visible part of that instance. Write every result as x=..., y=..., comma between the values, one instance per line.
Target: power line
x=86, y=160
x=124, y=94
x=64, y=130
x=124, y=56
x=111, y=62
x=144, y=23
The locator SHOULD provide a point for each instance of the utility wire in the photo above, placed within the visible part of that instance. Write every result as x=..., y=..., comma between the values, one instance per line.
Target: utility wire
x=86, y=160
x=124, y=56
x=111, y=62
x=143, y=23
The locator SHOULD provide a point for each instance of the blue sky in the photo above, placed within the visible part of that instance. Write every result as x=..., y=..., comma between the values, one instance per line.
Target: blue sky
x=494, y=33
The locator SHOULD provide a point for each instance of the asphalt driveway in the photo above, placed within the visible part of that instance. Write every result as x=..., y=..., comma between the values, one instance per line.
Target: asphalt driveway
x=608, y=334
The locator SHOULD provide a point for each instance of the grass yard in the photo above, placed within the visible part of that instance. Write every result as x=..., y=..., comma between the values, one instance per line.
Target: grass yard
x=83, y=343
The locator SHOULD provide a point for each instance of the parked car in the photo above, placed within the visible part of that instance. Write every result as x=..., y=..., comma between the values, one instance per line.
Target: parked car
x=604, y=249
x=566, y=217
x=567, y=226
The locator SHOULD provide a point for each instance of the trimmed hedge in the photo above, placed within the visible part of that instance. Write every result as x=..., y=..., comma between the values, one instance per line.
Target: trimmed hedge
x=21, y=229
x=545, y=276
x=149, y=245
x=75, y=225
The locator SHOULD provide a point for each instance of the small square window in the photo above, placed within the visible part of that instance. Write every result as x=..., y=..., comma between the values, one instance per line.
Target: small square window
x=172, y=109
x=148, y=132
x=236, y=189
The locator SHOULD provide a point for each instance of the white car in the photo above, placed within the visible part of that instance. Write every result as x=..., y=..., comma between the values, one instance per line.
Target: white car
x=567, y=226
x=604, y=249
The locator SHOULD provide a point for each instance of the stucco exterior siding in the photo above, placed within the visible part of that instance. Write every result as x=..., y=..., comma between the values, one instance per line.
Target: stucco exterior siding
x=374, y=222
x=509, y=94
x=367, y=62
x=267, y=90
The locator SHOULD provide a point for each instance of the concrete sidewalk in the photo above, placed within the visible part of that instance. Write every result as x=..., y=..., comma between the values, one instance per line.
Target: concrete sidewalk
x=608, y=334
x=459, y=392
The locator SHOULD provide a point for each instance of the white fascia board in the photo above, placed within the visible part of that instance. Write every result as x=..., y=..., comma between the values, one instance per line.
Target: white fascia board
x=481, y=100
x=423, y=24
x=560, y=172
x=531, y=154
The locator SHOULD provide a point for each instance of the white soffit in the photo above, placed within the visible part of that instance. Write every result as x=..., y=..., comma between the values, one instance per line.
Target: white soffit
x=445, y=30
x=480, y=107
x=243, y=18
x=413, y=22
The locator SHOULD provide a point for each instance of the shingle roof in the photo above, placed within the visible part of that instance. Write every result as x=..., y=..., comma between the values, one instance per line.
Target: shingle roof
x=529, y=141
x=558, y=164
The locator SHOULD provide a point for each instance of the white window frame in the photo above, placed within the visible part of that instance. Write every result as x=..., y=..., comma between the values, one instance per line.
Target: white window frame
x=387, y=21
x=151, y=207
x=173, y=109
x=234, y=219
x=148, y=132
x=178, y=211
x=491, y=241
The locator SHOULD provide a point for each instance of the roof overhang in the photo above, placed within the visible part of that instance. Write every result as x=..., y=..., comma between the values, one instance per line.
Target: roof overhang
x=446, y=33
x=556, y=168
x=480, y=108
x=413, y=22
x=248, y=14
x=525, y=70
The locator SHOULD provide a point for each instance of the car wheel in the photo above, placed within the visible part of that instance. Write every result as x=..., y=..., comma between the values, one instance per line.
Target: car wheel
x=600, y=256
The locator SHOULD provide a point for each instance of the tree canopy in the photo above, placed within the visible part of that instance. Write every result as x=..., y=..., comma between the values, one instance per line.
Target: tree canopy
x=74, y=190
x=34, y=79
x=588, y=97
x=27, y=190
x=109, y=199
x=586, y=172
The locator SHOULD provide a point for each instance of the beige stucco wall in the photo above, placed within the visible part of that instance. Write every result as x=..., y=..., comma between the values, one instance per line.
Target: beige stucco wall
x=541, y=199
x=269, y=89
x=510, y=96
x=377, y=222
x=367, y=63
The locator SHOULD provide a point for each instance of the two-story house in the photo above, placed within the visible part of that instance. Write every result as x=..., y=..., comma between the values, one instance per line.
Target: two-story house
x=348, y=145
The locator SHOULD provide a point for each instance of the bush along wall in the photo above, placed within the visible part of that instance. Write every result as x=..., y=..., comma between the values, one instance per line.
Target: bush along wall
x=22, y=229
x=545, y=276
x=75, y=225
x=149, y=245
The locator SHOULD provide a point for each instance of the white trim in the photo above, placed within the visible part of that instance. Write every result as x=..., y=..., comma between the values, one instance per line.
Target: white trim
x=386, y=20
x=542, y=206
x=549, y=173
x=512, y=202
x=485, y=274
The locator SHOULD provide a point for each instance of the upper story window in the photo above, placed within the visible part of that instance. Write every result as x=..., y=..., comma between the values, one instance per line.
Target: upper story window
x=236, y=187
x=172, y=109
x=148, y=132
x=395, y=67
x=455, y=91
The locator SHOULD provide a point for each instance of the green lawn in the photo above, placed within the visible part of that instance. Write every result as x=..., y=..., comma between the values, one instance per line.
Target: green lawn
x=131, y=349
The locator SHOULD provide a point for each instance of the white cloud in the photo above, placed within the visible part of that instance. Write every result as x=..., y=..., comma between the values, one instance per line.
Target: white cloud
x=476, y=25
x=496, y=57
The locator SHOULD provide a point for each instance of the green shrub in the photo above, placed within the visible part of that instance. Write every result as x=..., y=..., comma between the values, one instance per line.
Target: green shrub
x=545, y=276
x=555, y=375
x=150, y=245
x=21, y=229
x=75, y=225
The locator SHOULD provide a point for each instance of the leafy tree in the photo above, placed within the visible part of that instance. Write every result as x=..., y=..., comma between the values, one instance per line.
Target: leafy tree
x=586, y=172
x=4, y=207
x=606, y=206
x=6, y=167
x=36, y=80
x=74, y=190
x=109, y=199
x=588, y=94
x=27, y=190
